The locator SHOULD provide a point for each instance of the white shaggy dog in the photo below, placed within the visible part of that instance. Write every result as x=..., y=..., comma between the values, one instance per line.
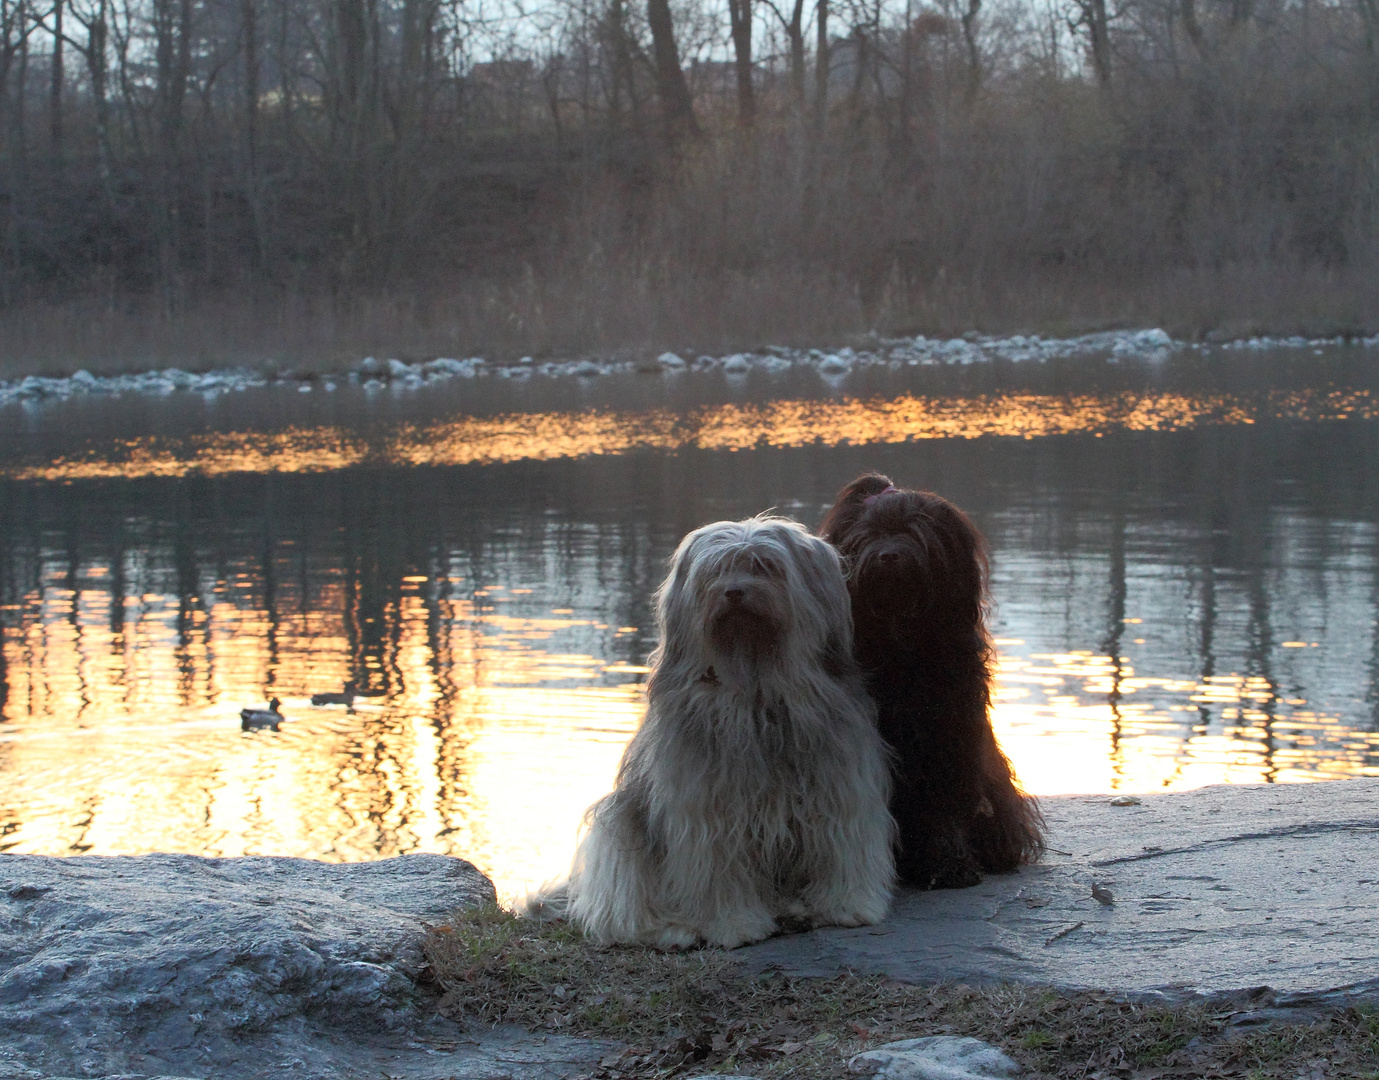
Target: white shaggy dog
x=754, y=795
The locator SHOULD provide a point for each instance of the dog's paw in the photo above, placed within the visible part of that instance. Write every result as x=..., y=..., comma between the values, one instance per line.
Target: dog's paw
x=795, y=923
x=845, y=917
x=670, y=938
x=747, y=928
x=960, y=875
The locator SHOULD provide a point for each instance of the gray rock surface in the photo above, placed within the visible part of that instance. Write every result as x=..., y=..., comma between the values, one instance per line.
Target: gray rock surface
x=1210, y=891
x=938, y=1057
x=178, y=965
x=182, y=967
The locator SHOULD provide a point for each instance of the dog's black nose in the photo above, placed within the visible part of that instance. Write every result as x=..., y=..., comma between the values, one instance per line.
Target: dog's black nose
x=890, y=558
x=734, y=595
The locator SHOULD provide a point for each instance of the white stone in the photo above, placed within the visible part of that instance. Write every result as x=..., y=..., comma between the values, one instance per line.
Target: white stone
x=670, y=361
x=938, y=1057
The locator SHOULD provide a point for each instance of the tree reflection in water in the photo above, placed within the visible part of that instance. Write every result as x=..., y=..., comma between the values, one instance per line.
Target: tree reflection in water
x=1174, y=609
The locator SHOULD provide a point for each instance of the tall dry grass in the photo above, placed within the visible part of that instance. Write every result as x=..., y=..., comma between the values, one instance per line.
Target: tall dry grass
x=619, y=311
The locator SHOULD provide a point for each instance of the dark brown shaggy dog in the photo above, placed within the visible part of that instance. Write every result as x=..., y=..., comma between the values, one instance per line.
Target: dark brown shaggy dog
x=917, y=574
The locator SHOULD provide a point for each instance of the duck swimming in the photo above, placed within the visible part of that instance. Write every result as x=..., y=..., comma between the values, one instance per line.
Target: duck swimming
x=258, y=719
x=344, y=697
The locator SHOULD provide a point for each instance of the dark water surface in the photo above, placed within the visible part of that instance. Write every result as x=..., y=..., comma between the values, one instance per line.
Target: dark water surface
x=1185, y=561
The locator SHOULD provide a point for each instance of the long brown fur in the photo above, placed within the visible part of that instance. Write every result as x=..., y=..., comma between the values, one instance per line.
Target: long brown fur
x=917, y=577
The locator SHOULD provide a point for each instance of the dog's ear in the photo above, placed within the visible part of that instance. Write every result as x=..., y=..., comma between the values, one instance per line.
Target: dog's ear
x=850, y=504
x=673, y=599
x=824, y=578
x=965, y=549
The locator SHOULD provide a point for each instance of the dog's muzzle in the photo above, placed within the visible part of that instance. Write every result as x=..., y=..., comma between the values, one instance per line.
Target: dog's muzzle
x=889, y=576
x=743, y=614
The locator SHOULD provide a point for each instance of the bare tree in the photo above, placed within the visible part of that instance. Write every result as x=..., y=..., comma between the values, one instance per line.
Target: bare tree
x=974, y=56
x=55, y=91
x=1091, y=17
x=740, y=26
x=793, y=26
x=676, y=105
x=323, y=147
x=93, y=50
x=821, y=61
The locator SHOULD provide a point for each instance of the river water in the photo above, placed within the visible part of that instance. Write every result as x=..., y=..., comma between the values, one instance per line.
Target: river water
x=1186, y=585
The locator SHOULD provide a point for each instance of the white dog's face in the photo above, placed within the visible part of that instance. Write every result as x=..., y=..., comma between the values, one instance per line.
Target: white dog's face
x=753, y=591
x=745, y=603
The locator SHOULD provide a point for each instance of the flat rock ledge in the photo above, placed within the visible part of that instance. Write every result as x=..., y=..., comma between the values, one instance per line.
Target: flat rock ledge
x=179, y=966
x=1261, y=891
x=174, y=965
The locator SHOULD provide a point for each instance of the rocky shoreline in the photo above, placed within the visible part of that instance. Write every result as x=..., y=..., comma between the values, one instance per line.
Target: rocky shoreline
x=174, y=965
x=374, y=374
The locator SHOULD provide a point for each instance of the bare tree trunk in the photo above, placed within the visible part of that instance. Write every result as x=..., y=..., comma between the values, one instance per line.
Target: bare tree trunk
x=1193, y=28
x=974, y=56
x=352, y=79
x=14, y=32
x=550, y=81
x=1369, y=13
x=55, y=90
x=249, y=27
x=21, y=95
x=671, y=86
x=862, y=52
x=622, y=84
x=821, y=65
x=94, y=21
x=794, y=35
x=740, y=22
x=172, y=57
x=794, y=31
x=14, y=53
x=1091, y=15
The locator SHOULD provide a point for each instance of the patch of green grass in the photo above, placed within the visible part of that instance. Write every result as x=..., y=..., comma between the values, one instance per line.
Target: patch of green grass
x=1036, y=1039
x=703, y=1011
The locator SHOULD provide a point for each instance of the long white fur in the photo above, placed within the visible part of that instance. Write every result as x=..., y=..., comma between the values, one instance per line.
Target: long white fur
x=756, y=788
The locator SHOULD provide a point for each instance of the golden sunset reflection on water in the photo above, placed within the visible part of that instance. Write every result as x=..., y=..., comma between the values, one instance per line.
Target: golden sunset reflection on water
x=779, y=424
x=1192, y=600
x=494, y=737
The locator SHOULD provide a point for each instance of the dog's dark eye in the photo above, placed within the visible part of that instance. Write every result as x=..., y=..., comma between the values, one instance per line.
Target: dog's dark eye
x=768, y=568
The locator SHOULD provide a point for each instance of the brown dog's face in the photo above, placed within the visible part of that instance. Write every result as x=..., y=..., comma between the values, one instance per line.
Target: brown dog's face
x=909, y=555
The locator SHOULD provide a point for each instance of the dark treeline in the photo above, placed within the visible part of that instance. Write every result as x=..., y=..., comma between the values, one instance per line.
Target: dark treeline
x=440, y=175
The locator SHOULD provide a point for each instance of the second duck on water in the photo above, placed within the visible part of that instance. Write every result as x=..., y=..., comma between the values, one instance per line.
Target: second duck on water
x=344, y=697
